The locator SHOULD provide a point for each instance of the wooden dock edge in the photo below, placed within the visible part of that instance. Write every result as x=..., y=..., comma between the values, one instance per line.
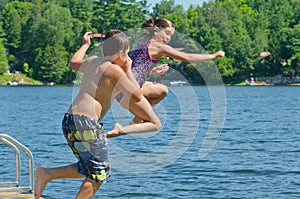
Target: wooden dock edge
x=16, y=195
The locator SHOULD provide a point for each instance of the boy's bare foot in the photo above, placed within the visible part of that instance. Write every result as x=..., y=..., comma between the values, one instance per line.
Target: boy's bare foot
x=115, y=132
x=41, y=180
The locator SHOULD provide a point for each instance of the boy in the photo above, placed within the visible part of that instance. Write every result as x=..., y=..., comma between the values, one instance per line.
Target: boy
x=102, y=80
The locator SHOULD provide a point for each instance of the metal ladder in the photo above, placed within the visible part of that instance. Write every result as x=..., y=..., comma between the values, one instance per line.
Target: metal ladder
x=16, y=185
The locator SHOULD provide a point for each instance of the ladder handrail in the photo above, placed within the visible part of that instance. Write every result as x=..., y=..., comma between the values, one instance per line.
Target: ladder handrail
x=18, y=160
x=6, y=138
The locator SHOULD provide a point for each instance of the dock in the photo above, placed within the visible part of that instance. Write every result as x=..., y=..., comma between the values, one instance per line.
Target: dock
x=14, y=189
x=15, y=195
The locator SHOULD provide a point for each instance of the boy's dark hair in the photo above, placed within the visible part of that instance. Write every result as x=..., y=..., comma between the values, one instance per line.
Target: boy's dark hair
x=115, y=41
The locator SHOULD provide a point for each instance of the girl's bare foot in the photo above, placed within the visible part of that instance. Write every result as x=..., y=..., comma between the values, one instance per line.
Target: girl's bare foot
x=135, y=120
x=115, y=132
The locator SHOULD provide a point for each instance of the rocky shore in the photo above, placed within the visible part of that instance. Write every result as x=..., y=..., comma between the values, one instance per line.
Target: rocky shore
x=276, y=80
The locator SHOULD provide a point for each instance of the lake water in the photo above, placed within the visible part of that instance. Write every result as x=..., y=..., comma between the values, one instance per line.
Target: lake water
x=232, y=142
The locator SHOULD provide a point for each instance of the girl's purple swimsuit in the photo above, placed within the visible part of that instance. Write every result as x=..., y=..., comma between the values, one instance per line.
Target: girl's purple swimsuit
x=142, y=61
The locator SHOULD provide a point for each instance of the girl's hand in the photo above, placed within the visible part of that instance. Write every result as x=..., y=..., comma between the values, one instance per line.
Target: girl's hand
x=160, y=70
x=219, y=54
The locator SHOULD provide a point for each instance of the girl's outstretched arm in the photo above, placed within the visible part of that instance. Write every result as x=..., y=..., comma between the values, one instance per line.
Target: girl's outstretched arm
x=159, y=50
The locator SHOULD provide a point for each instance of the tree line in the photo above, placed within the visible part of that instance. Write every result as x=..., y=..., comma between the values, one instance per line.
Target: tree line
x=38, y=37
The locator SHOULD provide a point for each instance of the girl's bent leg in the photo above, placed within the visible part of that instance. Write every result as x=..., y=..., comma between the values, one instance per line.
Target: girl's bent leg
x=143, y=110
x=154, y=93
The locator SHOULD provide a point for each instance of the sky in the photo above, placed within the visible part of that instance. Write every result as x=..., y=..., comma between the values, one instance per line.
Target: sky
x=186, y=3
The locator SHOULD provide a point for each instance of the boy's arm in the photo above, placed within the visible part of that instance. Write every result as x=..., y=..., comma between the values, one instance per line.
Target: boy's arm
x=126, y=83
x=166, y=50
x=132, y=78
x=77, y=58
x=137, y=104
x=127, y=69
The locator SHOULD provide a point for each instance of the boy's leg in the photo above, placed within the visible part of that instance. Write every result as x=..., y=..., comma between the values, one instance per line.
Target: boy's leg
x=88, y=189
x=45, y=175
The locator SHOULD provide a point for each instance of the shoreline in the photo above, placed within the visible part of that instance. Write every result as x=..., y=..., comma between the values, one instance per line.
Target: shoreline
x=258, y=81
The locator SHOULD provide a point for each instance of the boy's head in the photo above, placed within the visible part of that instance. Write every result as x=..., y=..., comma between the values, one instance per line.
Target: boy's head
x=115, y=41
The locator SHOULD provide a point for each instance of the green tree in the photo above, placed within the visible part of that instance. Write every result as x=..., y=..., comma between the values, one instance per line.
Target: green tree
x=211, y=27
x=52, y=34
x=295, y=39
x=175, y=13
x=3, y=59
x=294, y=47
x=82, y=15
x=280, y=18
x=196, y=20
x=3, y=4
x=12, y=27
x=118, y=14
x=52, y=63
x=33, y=29
x=15, y=16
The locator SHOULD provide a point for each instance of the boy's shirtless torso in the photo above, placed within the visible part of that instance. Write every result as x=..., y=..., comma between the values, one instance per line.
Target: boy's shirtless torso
x=97, y=89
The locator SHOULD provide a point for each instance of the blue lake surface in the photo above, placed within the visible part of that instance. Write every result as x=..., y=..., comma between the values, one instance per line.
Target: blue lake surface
x=254, y=154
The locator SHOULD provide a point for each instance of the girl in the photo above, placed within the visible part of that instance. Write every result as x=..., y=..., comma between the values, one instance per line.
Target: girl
x=147, y=54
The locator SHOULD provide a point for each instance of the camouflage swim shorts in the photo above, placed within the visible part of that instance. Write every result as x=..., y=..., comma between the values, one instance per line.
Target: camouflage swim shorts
x=87, y=140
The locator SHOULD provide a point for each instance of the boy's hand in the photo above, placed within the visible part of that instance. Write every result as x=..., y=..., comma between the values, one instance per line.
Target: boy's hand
x=265, y=54
x=127, y=65
x=86, y=39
